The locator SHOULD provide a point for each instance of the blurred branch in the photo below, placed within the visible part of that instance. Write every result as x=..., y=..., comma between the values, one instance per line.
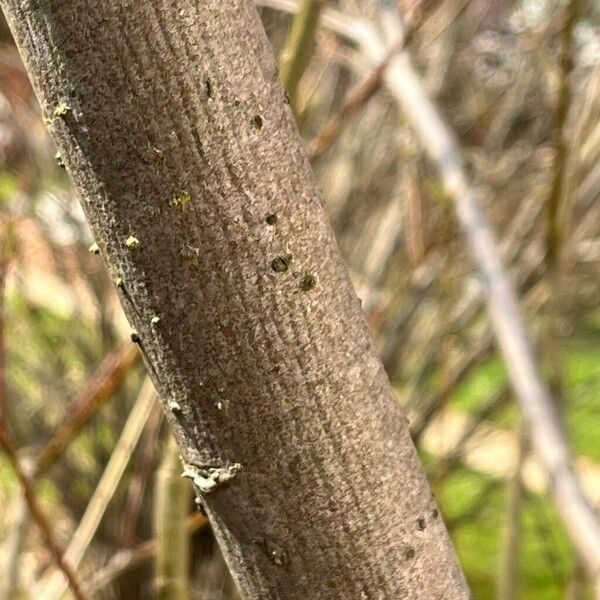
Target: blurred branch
x=6, y=256
x=12, y=548
x=559, y=134
x=126, y=560
x=433, y=404
x=39, y=517
x=498, y=400
x=141, y=472
x=299, y=48
x=537, y=405
x=470, y=514
x=54, y=588
x=350, y=28
x=508, y=580
x=171, y=502
x=29, y=494
x=355, y=99
x=362, y=92
x=558, y=218
x=102, y=384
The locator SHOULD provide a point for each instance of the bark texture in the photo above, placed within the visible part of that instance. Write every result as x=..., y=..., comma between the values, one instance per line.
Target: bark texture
x=174, y=129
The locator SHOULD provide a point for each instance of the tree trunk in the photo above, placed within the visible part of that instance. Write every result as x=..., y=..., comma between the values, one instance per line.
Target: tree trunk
x=174, y=129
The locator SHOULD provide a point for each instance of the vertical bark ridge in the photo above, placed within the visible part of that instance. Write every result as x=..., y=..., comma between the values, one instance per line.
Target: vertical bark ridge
x=179, y=142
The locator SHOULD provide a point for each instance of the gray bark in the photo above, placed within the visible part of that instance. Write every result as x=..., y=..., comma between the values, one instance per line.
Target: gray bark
x=174, y=129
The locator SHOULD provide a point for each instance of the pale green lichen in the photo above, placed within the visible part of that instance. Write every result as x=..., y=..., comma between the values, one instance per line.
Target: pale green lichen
x=155, y=320
x=61, y=110
x=94, y=249
x=132, y=242
x=180, y=200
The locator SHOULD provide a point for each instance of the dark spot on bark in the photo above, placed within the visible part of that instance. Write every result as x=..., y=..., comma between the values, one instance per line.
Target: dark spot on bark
x=209, y=87
x=421, y=524
x=153, y=155
x=282, y=263
x=409, y=553
x=271, y=219
x=175, y=407
x=294, y=465
x=278, y=556
x=257, y=122
x=434, y=513
x=286, y=98
x=190, y=253
x=120, y=163
x=309, y=282
x=135, y=338
x=236, y=103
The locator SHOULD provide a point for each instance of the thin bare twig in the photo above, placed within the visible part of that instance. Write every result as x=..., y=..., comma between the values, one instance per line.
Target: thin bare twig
x=557, y=204
x=139, y=479
x=101, y=385
x=536, y=403
x=54, y=588
x=128, y=559
x=363, y=91
x=27, y=486
x=355, y=99
x=299, y=48
x=508, y=580
x=38, y=515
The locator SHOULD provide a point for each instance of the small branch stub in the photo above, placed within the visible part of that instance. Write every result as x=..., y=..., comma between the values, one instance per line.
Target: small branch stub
x=208, y=479
x=61, y=110
x=132, y=242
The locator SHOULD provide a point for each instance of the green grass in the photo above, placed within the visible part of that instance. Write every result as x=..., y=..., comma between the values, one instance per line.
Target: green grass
x=546, y=560
x=545, y=555
x=581, y=372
